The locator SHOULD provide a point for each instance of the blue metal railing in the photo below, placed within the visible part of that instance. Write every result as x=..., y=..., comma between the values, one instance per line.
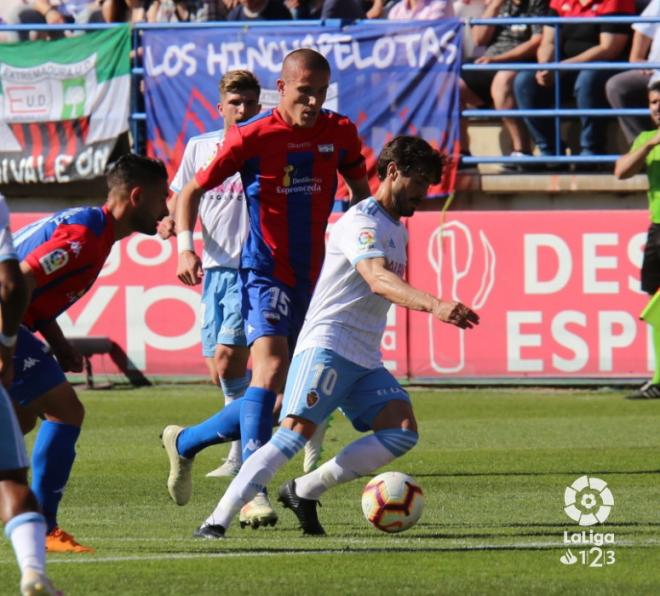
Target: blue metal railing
x=558, y=113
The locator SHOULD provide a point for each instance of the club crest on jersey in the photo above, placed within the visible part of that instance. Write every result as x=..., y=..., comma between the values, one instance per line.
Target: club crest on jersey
x=312, y=398
x=54, y=260
x=326, y=148
x=366, y=239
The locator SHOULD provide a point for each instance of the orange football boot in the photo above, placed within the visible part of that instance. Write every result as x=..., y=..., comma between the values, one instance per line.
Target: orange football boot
x=59, y=541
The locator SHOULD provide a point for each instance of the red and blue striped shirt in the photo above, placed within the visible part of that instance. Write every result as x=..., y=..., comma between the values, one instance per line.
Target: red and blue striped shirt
x=290, y=179
x=66, y=252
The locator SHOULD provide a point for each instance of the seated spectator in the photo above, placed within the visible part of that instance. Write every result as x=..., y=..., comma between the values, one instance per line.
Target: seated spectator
x=79, y=11
x=348, y=10
x=260, y=10
x=421, y=9
x=504, y=43
x=186, y=11
x=33, y=12
x=122, y=11
x=629, y=89
x=577, y=44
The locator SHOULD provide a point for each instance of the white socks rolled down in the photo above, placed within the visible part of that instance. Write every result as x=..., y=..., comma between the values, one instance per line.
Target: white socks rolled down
x=27, y=533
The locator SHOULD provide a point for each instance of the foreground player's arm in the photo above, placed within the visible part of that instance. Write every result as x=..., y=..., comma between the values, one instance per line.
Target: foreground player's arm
x=189, y=268
x=634, y=161
x=386, y=284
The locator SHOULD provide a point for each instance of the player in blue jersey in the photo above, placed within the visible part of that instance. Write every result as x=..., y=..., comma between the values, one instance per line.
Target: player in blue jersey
x=25, y=526
x=61, y=257
x=288, y=159
x=337, y=361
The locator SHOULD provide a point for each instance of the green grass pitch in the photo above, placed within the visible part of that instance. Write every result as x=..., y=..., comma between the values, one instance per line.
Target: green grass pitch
x=493, y=465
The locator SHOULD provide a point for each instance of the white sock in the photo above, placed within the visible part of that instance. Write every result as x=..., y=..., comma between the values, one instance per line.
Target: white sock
x=27, y=533
x=357, y=459
x=255, y=474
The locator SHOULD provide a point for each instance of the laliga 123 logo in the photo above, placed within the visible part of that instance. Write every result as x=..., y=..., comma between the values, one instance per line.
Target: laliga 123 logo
x=588, y=501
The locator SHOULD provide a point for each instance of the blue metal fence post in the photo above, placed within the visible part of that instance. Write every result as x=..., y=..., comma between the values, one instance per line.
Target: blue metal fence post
x=557, y=77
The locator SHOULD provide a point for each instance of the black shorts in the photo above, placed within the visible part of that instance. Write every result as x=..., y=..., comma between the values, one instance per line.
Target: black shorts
x=651, y=263
x=479, y=81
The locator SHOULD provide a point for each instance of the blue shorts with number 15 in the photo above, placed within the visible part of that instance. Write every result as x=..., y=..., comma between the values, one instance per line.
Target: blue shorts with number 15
x=271, y=307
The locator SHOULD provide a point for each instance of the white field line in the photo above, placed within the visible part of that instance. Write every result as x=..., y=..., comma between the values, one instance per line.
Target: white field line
x=87, y=559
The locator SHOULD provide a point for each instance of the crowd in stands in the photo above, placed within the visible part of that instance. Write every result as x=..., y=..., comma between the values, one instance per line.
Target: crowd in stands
x=502, y=89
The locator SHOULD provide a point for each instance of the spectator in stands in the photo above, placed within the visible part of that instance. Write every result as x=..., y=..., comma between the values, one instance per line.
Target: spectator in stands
x=505, y=43
x=421, y=9
x=577, y=44
x=644, y=154
x=169, y=11
x=122, y=11
x=260, y=10
x=34, y=12
x=629, y=89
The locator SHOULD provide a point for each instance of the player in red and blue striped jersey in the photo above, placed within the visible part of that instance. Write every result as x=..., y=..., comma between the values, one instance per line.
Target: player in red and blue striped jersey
x=288, y=159
x=61, y=257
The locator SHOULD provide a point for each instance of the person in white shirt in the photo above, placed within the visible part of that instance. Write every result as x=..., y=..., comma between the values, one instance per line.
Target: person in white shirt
x=337, y=361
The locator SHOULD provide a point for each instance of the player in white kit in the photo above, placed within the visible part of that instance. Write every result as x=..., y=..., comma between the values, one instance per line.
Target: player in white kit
x=337, y=361
x=25, y=526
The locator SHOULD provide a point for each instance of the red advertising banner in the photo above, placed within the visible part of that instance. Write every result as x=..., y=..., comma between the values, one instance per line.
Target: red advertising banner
x=558, y=293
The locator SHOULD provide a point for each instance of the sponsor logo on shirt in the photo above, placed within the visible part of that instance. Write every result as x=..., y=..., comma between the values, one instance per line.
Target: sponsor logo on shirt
x=298, y=145
x=291, y=184
x=54, y=260
x=286, y=179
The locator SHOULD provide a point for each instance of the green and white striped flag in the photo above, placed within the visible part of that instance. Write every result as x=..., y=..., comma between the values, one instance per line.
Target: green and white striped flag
x=63, y=104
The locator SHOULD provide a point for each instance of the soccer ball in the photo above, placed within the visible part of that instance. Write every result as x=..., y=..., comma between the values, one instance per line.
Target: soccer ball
x=392, y=502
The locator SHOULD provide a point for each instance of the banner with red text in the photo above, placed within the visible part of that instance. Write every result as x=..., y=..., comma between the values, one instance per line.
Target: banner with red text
x=558, y=294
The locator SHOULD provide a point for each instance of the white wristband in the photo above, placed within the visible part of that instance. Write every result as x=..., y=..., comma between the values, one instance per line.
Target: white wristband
x=9, y=341
x=184, y=241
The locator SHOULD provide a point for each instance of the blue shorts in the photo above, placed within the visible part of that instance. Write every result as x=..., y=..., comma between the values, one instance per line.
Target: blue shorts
x=12, y=447
x=222, y=321
x=271, y=307
x=320, y=381
x=35, y=371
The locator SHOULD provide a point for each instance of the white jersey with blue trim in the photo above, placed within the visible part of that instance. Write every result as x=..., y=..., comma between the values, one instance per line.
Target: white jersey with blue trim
x=345, y=315
x=222, y=210
x=7, y=250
